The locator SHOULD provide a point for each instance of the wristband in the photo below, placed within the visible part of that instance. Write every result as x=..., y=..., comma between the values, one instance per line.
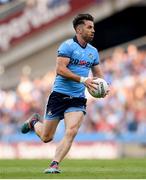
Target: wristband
x=83, y=79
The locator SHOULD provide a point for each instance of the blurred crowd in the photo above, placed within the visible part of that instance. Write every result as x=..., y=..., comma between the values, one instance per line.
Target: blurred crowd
x=33, y=3
x=123, y=110
x=3, y=2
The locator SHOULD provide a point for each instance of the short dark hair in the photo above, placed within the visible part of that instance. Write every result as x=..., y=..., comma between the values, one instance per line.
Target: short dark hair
x=79, y=19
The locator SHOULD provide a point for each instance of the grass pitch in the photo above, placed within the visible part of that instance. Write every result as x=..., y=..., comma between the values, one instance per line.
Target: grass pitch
x=75, y=169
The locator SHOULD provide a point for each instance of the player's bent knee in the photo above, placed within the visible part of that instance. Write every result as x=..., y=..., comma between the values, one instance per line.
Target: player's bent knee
x=46, y=139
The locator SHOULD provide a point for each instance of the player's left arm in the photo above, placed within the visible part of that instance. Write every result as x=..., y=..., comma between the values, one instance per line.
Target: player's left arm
x=97, y=71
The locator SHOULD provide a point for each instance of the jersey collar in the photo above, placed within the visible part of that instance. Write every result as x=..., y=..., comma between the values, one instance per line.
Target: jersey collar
x=76, y=40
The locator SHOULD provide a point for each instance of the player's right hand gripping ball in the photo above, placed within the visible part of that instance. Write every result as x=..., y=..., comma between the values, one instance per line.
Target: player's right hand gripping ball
x=102, y=88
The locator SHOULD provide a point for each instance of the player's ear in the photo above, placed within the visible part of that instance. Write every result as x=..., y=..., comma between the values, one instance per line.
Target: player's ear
x=79, y=29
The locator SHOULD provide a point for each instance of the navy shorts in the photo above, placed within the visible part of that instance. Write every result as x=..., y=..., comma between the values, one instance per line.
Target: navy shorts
x=59, y=103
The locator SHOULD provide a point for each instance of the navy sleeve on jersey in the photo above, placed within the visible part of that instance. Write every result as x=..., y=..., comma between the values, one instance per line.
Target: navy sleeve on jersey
x=64, y=50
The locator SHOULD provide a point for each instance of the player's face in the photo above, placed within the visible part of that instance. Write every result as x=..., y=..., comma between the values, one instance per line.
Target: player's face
x=87, y=31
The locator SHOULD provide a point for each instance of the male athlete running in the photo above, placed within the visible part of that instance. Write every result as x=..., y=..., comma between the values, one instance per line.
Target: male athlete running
x=67, y=100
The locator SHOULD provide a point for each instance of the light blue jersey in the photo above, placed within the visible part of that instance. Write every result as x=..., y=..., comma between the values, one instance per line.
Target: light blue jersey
x=81, y=61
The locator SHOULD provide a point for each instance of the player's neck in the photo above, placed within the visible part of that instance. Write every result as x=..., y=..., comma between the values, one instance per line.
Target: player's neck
x=81, y=41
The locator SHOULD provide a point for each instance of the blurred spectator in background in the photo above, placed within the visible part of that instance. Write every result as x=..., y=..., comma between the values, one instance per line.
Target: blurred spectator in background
x=2, y=2
x=31, y=3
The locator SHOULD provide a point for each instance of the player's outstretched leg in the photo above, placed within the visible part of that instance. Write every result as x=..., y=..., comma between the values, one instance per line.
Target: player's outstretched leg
x=53, y=169
x=29, y=124
x=72, y=123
